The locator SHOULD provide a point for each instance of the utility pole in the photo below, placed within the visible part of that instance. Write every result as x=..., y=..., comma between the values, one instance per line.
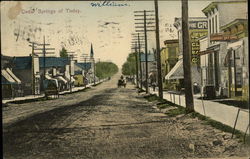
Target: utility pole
x=136, y=63
x=44, y=53
x=32, y=66
x=85, y=57
x=137, y=40
x=94, y=71
x=136, y=66
x=158, y=51
x=71, y=56
x=145, y=23
x=187, y=59
x=139, y=45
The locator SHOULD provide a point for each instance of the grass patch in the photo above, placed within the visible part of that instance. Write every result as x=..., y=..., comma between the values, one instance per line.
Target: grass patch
x=218, y=125
x=163, y=106
x=152, y=98
x=175, y=112
x=237, y=103
x=208, y=121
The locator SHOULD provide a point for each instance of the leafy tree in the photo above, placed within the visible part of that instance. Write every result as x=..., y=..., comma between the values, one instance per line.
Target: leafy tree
x=129, y=67
x=105, y=69
x=63, y=53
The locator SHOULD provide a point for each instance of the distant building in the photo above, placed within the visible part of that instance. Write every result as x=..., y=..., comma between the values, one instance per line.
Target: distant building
x=151, y=67
x=59, y=68
x=169, y=55
x=28, y=72
x=33, y=73
x=81, y=73
x=197, y=29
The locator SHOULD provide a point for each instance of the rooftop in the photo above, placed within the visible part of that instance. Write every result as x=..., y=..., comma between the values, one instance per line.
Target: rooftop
x=25, y=62
x=234, y=22
x=84, y=66
x=213, y=5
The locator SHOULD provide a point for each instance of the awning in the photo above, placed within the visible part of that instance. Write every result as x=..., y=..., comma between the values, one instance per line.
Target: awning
x=72, y=79
x=60, y=78
x=176, y=72
x=47, y=77
x=206, y=52
x=235, y=45
x=13, y=76
x=8, y=77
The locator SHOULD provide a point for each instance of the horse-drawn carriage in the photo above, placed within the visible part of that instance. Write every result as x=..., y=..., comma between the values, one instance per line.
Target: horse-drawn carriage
x=121, y=82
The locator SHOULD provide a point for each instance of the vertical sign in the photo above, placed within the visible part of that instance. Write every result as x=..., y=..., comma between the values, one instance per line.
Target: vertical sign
x=197, y=29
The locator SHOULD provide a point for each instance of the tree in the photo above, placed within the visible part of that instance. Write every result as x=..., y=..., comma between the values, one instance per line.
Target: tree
x=63, y=53
x=105, y=69
x=129, y=67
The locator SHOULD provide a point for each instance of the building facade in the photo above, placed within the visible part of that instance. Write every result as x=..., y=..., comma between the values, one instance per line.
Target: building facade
x=197, y=29
x=218, y=15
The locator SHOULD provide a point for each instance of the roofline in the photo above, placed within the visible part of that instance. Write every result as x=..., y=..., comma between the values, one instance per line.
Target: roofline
x=214, y=5
x=171, y=41
x=235, y=21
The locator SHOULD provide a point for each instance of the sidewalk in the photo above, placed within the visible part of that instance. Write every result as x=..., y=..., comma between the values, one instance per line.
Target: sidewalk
x=74, y=89
x=220, y=112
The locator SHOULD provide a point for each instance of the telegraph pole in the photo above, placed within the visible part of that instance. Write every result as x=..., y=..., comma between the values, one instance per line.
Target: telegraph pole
x=136, y=63
x=70, y=57
x=158, y=51
x=94, y=71
x=44, y=53
x=136, y=66
x=137, y=40
x=32, y=71
x=187, y=59
x=139, y=45
x=145, y=23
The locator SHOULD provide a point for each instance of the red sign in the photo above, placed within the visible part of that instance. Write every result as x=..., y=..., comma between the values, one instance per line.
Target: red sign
x=222, y=37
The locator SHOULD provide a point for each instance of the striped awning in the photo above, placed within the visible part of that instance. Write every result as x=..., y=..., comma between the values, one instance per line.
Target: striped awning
x=176, y=72
x=60, y=78
x=13, y=76
x=8, y=77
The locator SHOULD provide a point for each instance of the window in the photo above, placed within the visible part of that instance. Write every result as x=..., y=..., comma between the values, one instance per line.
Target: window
x=209, y=26
x=216, y=27
x=213, y=25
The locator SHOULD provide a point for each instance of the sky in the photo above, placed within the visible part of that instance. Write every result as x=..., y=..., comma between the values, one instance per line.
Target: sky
x=76, y=24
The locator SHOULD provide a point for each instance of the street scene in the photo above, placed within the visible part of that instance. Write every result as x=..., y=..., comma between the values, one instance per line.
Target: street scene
x=125, y=79
x=109, y=122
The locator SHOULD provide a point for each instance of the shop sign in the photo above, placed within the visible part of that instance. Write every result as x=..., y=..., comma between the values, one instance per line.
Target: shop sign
x=197, y=24
x=222, y=37
x=195, y=46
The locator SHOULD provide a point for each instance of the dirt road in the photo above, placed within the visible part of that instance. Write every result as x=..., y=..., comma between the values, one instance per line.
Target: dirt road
x=108, y=123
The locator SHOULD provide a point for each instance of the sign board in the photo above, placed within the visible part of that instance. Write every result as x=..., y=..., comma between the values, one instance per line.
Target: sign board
x=72, y=70
x=198, y=24
x=222, y=37
x=36, y=64
x=195, y=45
